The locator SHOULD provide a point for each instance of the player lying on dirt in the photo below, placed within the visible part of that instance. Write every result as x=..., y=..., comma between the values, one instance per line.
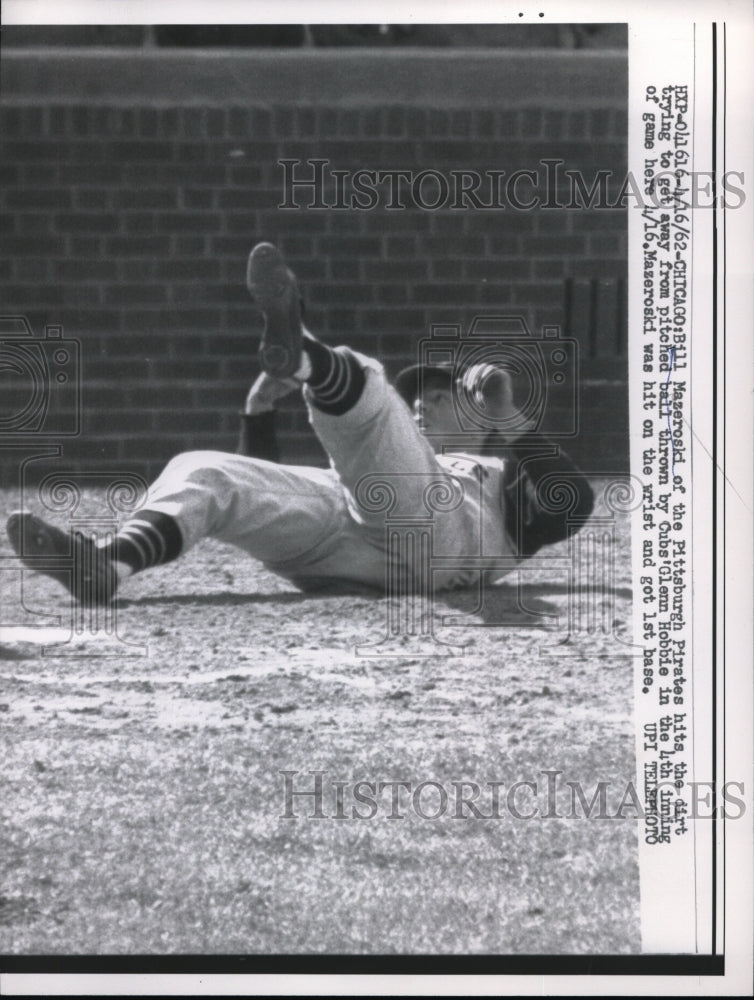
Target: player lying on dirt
x=314, y=526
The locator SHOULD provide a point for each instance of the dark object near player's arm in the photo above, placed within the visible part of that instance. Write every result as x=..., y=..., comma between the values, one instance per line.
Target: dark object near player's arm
x=546, y=496
x=257, y=437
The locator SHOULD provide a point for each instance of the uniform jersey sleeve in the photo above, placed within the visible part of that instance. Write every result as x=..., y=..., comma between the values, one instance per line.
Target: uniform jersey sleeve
x=530, y=474
x=257, y=437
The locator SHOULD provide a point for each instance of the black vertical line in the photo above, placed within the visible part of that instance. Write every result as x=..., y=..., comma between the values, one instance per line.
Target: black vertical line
x=620, y=308
x=568, y=307
x=725, y=371
x=593, y=307
x=714, y=487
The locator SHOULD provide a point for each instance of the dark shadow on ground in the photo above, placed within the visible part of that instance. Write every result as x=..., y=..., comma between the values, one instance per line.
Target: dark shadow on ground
x=524, y=607
x=562, y=588
x=527, y=605
x=233, y=599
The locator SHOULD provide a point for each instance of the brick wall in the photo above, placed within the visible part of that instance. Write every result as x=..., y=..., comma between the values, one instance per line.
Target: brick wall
x=133, y=188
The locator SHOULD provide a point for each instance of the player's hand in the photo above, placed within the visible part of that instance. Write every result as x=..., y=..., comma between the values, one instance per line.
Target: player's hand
x=266, y=391
x=490, y=391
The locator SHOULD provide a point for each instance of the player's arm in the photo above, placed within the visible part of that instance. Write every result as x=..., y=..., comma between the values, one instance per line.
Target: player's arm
x=530, y=477
x=257, y=436
x=488, y=392
x=546, y=495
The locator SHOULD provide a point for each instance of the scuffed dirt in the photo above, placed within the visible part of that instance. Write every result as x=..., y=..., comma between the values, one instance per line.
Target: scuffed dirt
x=144, y=801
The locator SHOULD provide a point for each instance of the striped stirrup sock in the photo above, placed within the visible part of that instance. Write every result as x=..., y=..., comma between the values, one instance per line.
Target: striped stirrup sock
x=150, y=538
x=336, y=380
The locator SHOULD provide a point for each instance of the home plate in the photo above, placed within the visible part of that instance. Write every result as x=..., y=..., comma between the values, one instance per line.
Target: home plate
x=40, y=635
x=20, y=642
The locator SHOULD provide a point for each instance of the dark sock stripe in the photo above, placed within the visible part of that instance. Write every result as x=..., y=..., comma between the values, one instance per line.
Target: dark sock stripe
x=149, y=539
x=155, y=539
x=140, y=537
x=323, y=361
x=336, y=380
x=130, y=549
x=335, y=383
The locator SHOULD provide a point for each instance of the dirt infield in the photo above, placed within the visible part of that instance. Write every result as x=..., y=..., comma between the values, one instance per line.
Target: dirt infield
x=143, y=795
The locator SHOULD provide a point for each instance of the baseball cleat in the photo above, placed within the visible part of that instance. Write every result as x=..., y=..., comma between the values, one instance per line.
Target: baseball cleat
x=273, y=287
x=70, y=558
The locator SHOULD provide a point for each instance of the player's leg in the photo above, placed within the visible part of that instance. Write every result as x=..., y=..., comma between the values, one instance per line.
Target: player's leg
x=269, y=510
x=72, y=559
x=364, y=425
x=278, y=514
x=386, y=466
x=287, y=350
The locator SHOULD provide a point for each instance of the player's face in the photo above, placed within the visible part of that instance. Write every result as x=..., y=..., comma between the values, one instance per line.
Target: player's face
x=434, y=412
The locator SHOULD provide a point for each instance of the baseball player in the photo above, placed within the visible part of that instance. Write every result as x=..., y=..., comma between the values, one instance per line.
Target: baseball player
x=313, y=525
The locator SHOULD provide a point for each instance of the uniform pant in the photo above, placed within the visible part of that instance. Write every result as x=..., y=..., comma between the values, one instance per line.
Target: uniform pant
x=310, y=524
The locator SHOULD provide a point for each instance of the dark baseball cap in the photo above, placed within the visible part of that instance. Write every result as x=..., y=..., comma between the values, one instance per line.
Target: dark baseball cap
x=413, y=380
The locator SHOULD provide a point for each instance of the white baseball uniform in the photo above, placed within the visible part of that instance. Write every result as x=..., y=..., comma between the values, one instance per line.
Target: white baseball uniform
x=309, y=524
